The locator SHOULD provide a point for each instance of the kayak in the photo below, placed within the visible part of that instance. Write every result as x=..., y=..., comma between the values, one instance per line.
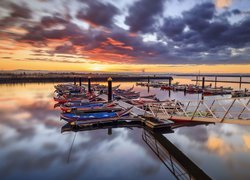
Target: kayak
x=67, y=107
x=71, y=117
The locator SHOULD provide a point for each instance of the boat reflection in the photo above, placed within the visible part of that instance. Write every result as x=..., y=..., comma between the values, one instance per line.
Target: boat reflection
x=180, y=166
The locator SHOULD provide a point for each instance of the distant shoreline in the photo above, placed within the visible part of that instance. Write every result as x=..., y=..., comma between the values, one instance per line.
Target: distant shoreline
x=77, y=78
x=7, y=78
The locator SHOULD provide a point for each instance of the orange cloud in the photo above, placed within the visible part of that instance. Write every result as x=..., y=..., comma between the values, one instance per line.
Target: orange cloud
x=217, y=145
x=222, y=3
x=246, y=139
x=118, y=44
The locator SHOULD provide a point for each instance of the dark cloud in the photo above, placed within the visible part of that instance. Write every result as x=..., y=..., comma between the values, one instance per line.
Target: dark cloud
x=200, y=134
x=65, y=49
x=98, y=13
x=143, y=15
x=38, y=34
x=20, y=11
x=49, y=21
x=236, y=11
x=198, y=17
x=173, y=26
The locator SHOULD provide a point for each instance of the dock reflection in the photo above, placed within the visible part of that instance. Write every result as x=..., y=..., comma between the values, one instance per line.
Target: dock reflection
x=173, y=158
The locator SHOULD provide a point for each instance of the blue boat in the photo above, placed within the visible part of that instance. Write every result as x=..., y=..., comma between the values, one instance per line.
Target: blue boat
x=110, y=113
x=67, y=107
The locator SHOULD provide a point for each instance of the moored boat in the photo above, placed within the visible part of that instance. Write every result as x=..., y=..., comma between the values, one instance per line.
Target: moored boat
x=112, y=113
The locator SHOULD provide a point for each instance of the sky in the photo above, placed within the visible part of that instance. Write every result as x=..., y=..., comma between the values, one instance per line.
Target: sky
x=180, y=36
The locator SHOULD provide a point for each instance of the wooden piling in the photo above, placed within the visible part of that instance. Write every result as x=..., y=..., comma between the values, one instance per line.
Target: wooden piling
x=240, y=82
x=148, y=80
x=203, y=86
x=203, y=82
x=215, y=82
x=170, y=81
x=110, y=89
x=185, y=91
x=109, y=131
x=89, y=84
x=74, y=80
x=80, y=81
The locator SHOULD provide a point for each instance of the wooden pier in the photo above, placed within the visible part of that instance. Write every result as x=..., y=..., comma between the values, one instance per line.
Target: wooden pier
x=57, y=77
x=222, y=81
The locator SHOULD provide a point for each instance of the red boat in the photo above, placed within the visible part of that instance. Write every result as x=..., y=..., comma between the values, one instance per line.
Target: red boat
x=166, y=87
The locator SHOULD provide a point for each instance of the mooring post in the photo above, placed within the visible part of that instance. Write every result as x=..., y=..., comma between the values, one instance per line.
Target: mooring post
x=89, y=84
x=203, y=86
x=196, y=80
x=109, y=89
x=215, y=82
x=170, y=81
x=109, y=131
x=240, y=81
x=148, y=80
x=74, y=80
x=203, y=82
x=185, y=91
x=80, y=81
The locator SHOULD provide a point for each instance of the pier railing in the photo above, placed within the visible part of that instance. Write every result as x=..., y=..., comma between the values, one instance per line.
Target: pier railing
x=230, y=110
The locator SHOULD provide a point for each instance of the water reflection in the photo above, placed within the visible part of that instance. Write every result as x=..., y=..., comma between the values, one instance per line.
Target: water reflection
x=32, y=145
x=175, y=161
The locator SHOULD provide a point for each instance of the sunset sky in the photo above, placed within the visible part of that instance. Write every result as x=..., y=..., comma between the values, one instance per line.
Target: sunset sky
x=211, y=36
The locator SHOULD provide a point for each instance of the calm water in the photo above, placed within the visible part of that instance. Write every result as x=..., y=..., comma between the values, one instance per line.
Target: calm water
x=33, y=147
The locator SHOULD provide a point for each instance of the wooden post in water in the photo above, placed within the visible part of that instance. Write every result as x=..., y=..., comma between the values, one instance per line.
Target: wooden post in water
x=80, y=81
x=109, y=131
x=215, y=82
x=170, y=81
x=109, y=89
x=240, y=82
x=203, y=86
x=148, y=84
x=196, y=80
x=185, y=91
x=203, y=82
x=89, y=84
x=74, y=80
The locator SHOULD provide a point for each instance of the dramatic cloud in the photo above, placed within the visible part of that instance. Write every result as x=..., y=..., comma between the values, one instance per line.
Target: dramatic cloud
x=173, y=26
x=141, y=32
x=143, y=15
x=198, y=17
x=49, y=21
x=97, y=13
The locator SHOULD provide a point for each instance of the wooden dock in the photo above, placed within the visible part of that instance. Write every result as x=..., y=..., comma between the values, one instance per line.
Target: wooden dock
x=222, y=81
